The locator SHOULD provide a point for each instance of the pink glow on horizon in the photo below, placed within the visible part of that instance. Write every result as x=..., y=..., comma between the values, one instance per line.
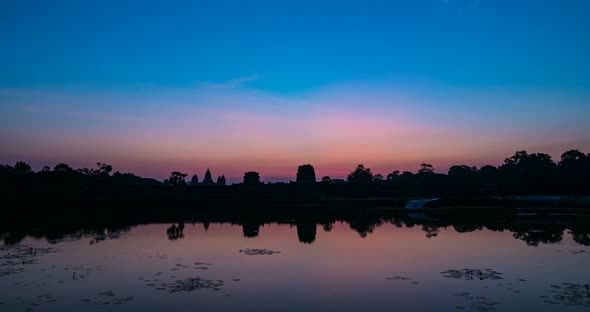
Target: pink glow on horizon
x=233, y=130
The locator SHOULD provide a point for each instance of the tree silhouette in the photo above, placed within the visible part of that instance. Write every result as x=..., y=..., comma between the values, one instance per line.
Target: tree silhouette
x=104, y=168
x=378, y=178
x=360, y=175
x=86, y=171
x=426, y=169
x=463, y=179
x=177, y=178
x=406, y=176
x=327, y=180
x=393, y=175
x=523, y=172
x=575, y=169
x=572, y=159
x=22, y=167
x=62, y=168
x=251, y=178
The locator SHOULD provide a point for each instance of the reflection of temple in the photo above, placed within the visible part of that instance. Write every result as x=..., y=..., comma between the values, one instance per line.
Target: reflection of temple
x=250, y=228
x=306, y=231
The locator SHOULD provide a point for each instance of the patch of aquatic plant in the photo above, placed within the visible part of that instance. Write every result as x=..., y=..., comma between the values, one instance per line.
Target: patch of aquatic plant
x=398, y=278
x=201, y=266
x=569, y=294
x=107, y=298
x=24, y=252
x=38, y=301
x=257, y=252
x=80, y=271
x=473, y=274
x=476, y=303
x=13, y=258
x=192, y=284
x=581, y=251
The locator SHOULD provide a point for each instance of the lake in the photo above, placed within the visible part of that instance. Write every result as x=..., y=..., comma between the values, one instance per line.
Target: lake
x=297, y=266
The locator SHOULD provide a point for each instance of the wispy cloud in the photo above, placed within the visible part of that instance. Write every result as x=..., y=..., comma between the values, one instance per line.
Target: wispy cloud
x=231, y=83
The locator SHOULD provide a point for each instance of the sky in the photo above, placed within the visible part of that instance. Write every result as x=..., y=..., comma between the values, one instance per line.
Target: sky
x=153, y=87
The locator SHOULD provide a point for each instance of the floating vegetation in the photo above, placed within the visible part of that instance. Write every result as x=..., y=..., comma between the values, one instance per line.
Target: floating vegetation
x=107, y=298
x=201, y=266
x=473, y=274
x=80, y=271
x=569, y=294
x=580, y=251
x=13, y=258
x=43, y=299
x=192, y=284
x=480, y=304
x=24, y=252
x=9, y=271
x=256, y=252
x=398, y=278
x=202, y=263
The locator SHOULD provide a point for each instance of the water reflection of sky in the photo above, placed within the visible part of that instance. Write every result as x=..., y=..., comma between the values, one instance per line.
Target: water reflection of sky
x=143, y=269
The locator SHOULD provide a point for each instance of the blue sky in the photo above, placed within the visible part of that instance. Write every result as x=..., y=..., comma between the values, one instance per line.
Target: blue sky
x=295, y=45
x=84, y=66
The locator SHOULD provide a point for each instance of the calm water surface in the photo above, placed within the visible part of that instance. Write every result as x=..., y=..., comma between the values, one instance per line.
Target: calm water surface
x=216, y=267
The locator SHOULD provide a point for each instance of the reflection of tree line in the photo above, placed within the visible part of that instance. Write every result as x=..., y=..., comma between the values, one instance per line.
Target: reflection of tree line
x=175, y=231
x=54, y=235
x=533, y=233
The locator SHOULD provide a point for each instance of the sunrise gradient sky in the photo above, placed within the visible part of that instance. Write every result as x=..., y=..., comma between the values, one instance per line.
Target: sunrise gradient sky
x=269, y=85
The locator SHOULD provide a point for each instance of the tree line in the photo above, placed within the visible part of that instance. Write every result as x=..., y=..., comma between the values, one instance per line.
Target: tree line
x=521, y=173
